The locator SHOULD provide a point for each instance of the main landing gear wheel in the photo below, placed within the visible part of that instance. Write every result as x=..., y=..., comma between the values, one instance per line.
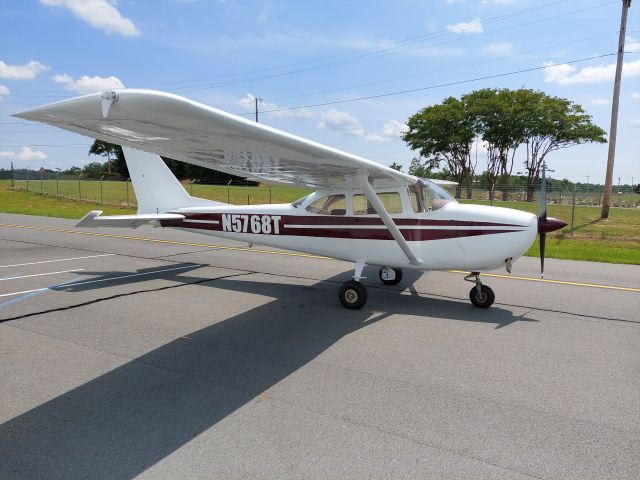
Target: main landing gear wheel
x=390, y=276
x=482, y=299
x=352, y=295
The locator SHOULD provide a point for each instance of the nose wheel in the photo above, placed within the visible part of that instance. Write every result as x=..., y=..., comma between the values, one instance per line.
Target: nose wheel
x=481, y=296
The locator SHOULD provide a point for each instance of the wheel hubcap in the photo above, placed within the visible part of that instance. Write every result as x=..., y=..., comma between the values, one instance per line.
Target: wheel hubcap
x=481, y=297
x=351, y=296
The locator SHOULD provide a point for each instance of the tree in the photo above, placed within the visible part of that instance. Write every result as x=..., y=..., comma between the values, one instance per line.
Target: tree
x=419, y=168
x=500, y=120
x=444, y=132
x=551, y=123
x=113, y=152
x=396, y=166
x=181, y=170
x=93, y=170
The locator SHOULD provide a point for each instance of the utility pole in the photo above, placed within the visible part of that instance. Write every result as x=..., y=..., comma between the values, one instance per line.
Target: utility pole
x=258, y=100
x=12, y=180
x=613, y=131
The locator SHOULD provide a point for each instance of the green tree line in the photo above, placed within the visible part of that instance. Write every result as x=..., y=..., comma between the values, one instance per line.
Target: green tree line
x=447, y=135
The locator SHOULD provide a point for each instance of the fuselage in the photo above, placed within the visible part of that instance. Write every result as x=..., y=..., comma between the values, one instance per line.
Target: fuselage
x=455, y=236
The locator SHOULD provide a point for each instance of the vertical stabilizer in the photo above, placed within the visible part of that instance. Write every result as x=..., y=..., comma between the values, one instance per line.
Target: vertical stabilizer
x=157, y=189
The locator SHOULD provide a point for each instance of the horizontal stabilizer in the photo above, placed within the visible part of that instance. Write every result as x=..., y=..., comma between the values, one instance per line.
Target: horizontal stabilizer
x=94, y=219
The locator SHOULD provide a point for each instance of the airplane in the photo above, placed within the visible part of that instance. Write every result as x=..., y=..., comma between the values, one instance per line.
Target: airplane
x=360, y=211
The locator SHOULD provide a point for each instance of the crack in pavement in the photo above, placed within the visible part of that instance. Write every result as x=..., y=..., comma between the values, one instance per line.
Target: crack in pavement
x=119, y=295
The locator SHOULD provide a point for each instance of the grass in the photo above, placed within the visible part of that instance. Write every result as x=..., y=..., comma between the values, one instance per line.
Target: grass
x=615, y=240
x=31, y=203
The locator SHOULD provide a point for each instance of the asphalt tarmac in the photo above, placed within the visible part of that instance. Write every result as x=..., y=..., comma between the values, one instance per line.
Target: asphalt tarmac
x=156, y=353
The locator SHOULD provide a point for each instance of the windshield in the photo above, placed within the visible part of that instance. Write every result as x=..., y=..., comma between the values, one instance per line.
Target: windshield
x=435, y=197
x=300, y=201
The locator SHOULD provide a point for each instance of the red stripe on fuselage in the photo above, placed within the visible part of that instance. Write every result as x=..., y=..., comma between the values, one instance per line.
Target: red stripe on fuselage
x=343, y=226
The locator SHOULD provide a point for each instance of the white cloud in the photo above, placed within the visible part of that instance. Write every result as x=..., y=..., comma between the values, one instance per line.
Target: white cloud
x=563, y=74
x=497, y=49
x=341, y=122
x=28, y=71
x=632, y=45
x=636, y=95
x=86, y=84
x=390, y=130
x=248, y=102
x=98, y=13
x=474, y=26
x=498, y=2
x=3, y=91
x=348, y=124
x=25, y=153
x=394, y=128
x=600, y=101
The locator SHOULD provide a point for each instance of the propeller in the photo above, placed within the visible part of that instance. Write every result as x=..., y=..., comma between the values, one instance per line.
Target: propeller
x=545, y=224
x=542, y=218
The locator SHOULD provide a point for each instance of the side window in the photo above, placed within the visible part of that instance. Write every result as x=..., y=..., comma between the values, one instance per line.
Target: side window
x=361, y=205
x=391, y=201
x=329, y=205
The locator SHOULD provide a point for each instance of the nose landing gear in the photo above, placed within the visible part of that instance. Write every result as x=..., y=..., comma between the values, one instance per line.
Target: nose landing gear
x=481, y=296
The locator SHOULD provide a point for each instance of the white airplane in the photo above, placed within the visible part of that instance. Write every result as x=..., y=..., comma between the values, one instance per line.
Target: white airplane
x=360, y=211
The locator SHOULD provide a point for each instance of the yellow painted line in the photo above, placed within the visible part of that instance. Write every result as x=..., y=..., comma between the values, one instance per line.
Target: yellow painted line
x=304, y=255
x=169, y=242
x=558, y=282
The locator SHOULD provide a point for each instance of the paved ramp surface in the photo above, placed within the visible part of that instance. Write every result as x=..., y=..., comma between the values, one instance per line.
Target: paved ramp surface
x=161, y=354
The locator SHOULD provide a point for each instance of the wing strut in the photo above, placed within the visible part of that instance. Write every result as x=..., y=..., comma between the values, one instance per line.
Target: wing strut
x=388, y=221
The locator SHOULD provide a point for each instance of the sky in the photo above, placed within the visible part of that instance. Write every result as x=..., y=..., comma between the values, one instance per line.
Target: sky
x=314, y=63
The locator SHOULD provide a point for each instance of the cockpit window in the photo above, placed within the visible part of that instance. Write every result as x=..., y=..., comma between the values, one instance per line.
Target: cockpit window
x=300, y=201
x=329, y=205
x=434, y=196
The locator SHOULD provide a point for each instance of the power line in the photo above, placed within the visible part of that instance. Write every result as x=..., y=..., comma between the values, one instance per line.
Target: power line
x=381, y=54
x=431, y=72
x=376, y=52
x=430, y=87
x=370, y=97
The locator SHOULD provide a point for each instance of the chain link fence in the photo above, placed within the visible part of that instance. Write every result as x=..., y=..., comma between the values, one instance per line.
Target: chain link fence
x=584, y=195
x=121, y=193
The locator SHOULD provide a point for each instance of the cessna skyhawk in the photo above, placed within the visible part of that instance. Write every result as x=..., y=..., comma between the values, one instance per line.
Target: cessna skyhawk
x=360, y=211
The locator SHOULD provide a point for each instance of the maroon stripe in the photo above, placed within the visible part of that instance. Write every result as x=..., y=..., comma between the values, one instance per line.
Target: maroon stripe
x=358, y=234
x=343, y=220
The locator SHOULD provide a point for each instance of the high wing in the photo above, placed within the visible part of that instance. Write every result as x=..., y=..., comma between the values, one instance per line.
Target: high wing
x=179, y=128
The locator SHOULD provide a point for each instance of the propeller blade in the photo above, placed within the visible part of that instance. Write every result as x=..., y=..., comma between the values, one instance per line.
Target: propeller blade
x=543, y=195
x=543, y=238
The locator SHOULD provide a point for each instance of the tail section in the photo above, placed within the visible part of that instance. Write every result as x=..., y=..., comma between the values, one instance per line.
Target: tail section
x=157, y=189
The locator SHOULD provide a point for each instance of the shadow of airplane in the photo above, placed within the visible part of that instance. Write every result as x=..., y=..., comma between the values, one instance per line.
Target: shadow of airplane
x=125, y=421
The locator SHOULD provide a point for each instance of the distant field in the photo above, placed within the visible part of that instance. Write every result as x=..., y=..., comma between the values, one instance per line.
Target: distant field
x=616, y=240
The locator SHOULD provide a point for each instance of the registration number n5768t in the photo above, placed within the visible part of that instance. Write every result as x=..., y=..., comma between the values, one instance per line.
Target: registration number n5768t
x=244, y=223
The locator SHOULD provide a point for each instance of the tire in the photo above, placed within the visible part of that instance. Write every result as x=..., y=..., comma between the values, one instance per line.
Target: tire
x=352, y=295
x=395, y=281
x=483, y=300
